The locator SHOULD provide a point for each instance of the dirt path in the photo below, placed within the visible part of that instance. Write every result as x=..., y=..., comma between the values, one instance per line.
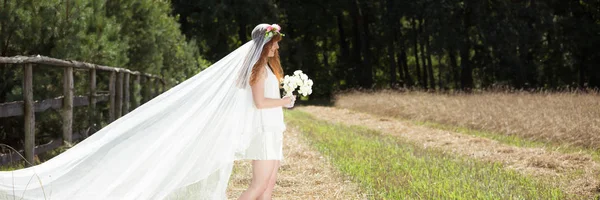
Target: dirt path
x=304, y=174
x=532, y=161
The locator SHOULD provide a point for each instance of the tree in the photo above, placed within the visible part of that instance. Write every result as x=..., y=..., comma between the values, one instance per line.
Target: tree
x=140, y=35
x=375, y=43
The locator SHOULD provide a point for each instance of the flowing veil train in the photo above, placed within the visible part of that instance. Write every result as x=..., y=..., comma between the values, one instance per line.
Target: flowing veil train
x=179, y=145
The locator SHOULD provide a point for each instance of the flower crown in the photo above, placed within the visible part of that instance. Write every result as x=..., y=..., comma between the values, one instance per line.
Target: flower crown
x=272, y=30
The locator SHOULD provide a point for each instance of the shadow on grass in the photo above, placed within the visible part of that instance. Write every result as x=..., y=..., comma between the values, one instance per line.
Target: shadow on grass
x=316, y=102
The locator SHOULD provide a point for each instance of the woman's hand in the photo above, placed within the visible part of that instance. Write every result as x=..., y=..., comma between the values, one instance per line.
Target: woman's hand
x=289, y=101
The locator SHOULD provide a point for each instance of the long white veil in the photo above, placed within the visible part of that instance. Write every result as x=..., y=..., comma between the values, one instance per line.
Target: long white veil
x=179, y=145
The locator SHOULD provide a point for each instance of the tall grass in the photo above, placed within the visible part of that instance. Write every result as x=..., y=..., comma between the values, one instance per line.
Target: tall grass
x=390, y=168
x=38, y=159
x=559, y=118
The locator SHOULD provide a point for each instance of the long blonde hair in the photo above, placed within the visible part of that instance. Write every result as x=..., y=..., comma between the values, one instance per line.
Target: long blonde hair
x=273, y=62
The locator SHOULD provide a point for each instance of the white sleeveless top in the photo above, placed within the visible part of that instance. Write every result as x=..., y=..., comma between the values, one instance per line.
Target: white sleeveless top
x=272, y=118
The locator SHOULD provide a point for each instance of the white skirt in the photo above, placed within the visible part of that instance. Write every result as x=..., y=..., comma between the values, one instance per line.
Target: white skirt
x=265, y=146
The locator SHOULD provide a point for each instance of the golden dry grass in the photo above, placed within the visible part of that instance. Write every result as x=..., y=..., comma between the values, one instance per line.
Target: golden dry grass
x=304, y=174
x=575, y=173
x=559, y=118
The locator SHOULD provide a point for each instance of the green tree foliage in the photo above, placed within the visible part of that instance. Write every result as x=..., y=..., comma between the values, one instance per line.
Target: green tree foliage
x=140, y=35
x=436, y=45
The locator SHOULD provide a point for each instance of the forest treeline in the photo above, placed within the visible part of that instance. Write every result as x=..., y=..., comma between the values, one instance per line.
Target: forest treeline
x=448, y=44
x=443, y=44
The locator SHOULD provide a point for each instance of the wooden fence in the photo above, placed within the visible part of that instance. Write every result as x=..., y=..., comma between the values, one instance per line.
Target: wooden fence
x=118, y=97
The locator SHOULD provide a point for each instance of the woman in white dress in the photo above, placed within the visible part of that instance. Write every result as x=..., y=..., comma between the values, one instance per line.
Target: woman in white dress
x=266, y=147
x=180, y=145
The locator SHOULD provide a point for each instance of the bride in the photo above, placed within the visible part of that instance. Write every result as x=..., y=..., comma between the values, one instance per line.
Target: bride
x=181, y=144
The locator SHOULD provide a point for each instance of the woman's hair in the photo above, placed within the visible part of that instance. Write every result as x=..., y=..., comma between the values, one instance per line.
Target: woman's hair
x=273, y=62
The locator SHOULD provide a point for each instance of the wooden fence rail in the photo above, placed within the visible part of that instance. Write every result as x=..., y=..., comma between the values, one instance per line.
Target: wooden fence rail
x=118, y=96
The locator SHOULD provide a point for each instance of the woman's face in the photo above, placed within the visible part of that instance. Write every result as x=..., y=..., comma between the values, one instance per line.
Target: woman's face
x=274, y=47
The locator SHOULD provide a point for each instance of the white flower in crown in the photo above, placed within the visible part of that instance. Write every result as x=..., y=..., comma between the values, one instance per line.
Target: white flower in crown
x=276, y=27
x=272, y=30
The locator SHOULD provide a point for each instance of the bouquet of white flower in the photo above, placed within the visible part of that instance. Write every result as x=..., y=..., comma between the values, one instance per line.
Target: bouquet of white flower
x=298, y=80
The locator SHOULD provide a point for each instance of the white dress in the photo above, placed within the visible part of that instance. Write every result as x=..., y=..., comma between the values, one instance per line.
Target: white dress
x=267, y=145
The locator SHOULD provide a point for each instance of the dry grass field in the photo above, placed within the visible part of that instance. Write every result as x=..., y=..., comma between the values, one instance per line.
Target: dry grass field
x=574, y=173
x=557, y=118
x=552, y=136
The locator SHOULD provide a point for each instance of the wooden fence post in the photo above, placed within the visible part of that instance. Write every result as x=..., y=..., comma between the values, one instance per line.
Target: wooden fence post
x=93, y=99
x=156, y=88
x=126, y=94
x=67, y=107
x=119, y=96
x=146, y=89
x=162, y=86
x=111, y=88
x=150, y=86
x=29, y=112
x=138, y=91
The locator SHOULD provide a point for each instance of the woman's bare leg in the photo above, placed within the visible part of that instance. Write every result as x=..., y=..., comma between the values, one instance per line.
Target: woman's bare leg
x=266, y=195
x=261, y=173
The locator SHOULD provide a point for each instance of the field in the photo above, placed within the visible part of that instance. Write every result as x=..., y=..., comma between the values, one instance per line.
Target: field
x=391, y=168
x=416, y=145
x=413, y=145
x=541, y=146
x=563, y=119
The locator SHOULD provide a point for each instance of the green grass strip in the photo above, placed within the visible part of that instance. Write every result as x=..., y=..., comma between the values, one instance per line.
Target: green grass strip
x=40, y=158
x=13, y=166
x=389, y=168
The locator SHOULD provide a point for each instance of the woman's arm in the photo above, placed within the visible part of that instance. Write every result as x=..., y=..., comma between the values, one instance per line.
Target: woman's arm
x=258, y=94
